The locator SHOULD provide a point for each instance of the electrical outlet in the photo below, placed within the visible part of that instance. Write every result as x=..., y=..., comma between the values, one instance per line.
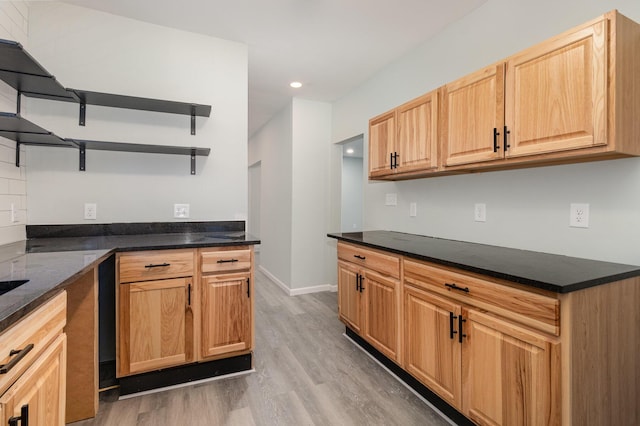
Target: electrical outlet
x=480, y=212
x=181, y=211
x=391, y=199
x=579, y=215
x=413, y=210
x=90, y=211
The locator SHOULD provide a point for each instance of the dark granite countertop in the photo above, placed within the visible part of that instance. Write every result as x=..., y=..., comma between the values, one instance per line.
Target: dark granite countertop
x=50, y=261
x=560, y=274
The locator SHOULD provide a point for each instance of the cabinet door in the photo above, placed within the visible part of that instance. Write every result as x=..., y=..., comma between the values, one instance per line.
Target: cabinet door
x=382, y=135
x=41, y=388
x=510, y=374
x=556, y=94
x=226, y=314
x=155, y=325
x=349, y=297
x=418, y=134
x=473, y=108
x=432, y=349
x=382, y=313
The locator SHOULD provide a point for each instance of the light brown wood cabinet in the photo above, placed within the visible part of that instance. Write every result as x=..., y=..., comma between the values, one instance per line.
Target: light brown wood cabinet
x=227, y=301
x=35, y=383
x=492, y=369
x=182, y=306
x=369, y=296
x=572, y=98
x=155, y=310
x=405, y=139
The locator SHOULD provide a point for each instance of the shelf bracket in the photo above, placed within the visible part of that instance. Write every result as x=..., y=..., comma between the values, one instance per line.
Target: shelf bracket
x=83, y=113
x=18, y=153
x=83, y=157
x=193, y=160
x=19, y=102
x=193, y=122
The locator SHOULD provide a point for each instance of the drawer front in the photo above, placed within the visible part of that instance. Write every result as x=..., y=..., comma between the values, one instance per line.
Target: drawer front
x=372, y=259
x=154, y=265
x=36, y=331
x=225, y=260
x=532, y=309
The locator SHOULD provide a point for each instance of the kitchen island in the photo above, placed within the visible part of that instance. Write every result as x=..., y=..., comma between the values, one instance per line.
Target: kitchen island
x=493, y=335
x=67, y=258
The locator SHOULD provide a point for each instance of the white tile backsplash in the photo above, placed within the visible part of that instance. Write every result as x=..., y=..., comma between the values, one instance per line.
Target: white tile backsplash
x=14, y=25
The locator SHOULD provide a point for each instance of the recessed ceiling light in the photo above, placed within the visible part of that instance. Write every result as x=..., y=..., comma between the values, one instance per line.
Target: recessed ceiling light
x=350, y=151
x=295, y=84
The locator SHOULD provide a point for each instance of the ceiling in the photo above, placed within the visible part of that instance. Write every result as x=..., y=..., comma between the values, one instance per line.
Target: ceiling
x=331, y=46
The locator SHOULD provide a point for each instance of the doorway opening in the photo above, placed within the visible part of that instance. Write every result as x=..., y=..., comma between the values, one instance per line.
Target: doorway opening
x=352, y=185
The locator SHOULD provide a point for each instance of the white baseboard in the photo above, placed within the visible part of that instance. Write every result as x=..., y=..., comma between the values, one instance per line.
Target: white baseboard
x=297, y=291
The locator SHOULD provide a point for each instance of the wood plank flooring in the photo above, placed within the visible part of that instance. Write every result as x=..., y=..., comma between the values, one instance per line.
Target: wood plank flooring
x=307, y=373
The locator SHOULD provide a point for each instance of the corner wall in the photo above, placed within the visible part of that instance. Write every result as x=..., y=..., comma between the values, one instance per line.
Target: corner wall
x=528, y=208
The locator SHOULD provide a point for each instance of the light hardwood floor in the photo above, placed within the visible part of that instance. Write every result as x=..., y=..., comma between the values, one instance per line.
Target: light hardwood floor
x=307, y=373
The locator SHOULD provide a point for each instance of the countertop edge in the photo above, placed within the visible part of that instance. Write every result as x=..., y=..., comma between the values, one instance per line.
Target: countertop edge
x=495, y=274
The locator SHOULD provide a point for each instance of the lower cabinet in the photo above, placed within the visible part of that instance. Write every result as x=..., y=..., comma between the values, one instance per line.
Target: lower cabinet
x=226, y=314
x=35, y=399
x=156, y=325
x=177, y=307
x=369, y=297
x=492, y=370
x=34, y=367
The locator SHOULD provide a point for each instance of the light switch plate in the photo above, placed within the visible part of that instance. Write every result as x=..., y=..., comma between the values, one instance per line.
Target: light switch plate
x=413, y=209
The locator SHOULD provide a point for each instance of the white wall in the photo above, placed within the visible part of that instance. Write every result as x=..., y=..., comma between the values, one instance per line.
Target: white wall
x=527, y=208
x=310, y=210
x=272, y=147
x=95, y=51
x=352, y=170
x=14, y=25
x=293, y=151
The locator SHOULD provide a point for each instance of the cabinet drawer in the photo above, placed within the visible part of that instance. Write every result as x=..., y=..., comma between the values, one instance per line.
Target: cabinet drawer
x=371, y=259
x=39, y=329
x=153, y=265
x=225, y=260
x=529, y=308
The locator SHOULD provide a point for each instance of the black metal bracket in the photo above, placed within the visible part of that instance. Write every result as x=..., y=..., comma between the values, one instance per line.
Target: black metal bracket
x=193, y=121
x=17, y=153
x=83, y=157
x=18, y=102
x=193, y=157
x=83, y=114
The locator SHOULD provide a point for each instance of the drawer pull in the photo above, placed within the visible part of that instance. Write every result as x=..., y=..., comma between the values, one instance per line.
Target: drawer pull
x=23, y=419
x=357, y=256
x=157, y=265
x=455, y=287
x=4, y=369
x=227, y=260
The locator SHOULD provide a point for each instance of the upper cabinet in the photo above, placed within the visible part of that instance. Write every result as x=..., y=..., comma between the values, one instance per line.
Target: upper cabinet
x=572, y=98
x=404, y=140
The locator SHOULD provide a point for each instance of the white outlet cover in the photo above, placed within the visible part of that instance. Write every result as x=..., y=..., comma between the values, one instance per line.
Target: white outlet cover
x=579, y=215
x=391, y=199
x=90, y=211
x=181, y=211
x=480, y=212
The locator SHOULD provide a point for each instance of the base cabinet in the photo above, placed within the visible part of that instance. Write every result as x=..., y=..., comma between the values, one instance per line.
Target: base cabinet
x=369, y=297
x=34, y=361
x=156, y=325
x=226, y=314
